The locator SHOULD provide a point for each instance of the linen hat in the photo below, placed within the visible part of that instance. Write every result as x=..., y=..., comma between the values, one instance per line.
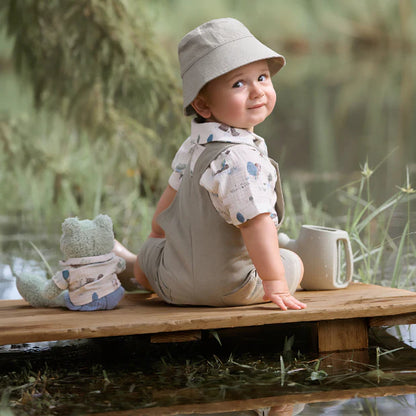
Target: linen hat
x=215, y=48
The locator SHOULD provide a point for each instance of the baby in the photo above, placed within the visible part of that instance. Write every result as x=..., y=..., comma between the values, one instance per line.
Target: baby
x=214, y=237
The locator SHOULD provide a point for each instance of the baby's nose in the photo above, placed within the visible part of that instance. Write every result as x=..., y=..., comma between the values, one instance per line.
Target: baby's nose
x=256, y=90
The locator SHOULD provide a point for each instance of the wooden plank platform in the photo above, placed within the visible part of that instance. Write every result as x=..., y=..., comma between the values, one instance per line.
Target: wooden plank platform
x=342, y=316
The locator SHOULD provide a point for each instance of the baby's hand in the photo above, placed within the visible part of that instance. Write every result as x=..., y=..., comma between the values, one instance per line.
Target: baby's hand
x=278, y=292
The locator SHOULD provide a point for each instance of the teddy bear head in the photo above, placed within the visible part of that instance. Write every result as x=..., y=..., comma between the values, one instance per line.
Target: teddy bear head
x=86, y=238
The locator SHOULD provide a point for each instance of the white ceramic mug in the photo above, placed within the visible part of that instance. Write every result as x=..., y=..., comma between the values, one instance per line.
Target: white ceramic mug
x=324, y=252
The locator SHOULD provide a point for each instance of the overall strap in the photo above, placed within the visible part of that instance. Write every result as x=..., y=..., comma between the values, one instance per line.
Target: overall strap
x=210, y=153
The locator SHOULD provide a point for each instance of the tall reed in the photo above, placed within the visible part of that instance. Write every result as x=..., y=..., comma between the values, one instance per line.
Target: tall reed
x=379, y=250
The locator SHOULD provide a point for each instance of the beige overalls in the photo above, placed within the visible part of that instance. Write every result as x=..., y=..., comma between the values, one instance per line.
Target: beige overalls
x=203, y=259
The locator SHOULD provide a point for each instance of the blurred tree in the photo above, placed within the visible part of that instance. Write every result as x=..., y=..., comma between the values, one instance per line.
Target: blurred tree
x=97, y=63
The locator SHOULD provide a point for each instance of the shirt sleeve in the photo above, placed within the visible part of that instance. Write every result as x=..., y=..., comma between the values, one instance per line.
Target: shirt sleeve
x=241, y=182
x=180, y=163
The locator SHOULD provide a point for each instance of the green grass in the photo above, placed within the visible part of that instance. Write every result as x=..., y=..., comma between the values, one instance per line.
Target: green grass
x=381, y=257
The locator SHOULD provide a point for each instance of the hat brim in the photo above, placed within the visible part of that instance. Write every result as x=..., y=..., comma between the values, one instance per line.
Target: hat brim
x=224, y=59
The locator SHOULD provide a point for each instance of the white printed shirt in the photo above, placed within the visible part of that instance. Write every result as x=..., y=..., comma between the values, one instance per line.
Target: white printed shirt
x=89, y=278
x=240, y=181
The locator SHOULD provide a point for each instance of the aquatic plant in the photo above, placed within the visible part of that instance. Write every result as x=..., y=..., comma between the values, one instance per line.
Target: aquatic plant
x=377, y=245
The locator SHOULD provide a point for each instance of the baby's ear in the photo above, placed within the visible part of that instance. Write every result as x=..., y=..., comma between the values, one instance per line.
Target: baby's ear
x=71, y=226
x=104, y=221
x=200, y=105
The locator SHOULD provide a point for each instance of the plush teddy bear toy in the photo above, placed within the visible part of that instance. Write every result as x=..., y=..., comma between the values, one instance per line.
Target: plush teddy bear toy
x=88, y=279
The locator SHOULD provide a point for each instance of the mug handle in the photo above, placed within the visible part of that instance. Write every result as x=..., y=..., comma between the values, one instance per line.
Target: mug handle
x=349, y=261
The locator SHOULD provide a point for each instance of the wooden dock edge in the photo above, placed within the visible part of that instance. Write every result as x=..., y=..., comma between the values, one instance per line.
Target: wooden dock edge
x=333, y=335
x=342, y=317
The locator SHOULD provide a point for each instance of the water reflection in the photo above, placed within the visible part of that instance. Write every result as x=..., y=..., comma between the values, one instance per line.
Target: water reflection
x=16, y=265
x=128, y=376
x=401, y=405
x=7, y=283
x=18, y=245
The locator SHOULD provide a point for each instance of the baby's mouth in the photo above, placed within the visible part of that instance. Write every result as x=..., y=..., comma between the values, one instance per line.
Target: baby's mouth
x=259, y=105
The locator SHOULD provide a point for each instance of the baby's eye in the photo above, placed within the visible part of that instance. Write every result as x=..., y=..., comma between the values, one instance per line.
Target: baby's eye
x=238, y=84
x=262, y=77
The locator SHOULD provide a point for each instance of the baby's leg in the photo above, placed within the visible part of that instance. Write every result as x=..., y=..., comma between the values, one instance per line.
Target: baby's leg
x=132, y=267
x=293, y=269
x=252, y=291
x=128, y=256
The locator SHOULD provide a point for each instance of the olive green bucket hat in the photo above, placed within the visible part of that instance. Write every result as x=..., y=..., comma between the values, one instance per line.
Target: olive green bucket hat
x=215, y=48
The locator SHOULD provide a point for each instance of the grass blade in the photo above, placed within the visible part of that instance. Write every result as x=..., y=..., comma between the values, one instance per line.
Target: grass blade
x=397, y=265
x=45, y=262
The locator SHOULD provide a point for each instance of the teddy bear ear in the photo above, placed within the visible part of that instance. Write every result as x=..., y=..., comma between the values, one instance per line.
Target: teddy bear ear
x=70, y=225
x=104, y=221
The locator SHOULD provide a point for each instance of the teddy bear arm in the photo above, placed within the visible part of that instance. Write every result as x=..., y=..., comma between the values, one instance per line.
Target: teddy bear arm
x=51, y=290
x=121, y=265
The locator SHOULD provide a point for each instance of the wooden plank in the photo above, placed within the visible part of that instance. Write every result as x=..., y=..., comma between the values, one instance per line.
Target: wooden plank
x=266, y=402
x=403, y=319
x=342, y=335
x=143, y=314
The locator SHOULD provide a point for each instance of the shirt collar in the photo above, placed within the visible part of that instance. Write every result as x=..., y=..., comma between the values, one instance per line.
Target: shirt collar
x=207, y=132
x=76, y=261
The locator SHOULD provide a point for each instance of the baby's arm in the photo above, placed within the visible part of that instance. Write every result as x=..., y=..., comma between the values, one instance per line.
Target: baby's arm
x=164, y=202
x=260, y=237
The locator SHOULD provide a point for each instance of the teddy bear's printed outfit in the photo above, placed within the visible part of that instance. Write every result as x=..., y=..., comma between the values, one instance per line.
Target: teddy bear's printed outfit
x=223, y=177
x=92, y=282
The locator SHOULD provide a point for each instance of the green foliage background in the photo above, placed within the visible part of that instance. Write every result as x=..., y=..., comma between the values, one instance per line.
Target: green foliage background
x=103, y=76
x=102, y=88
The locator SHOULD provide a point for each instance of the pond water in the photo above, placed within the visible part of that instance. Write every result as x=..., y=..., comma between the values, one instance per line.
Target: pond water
x=243, y=376
x=334, y=114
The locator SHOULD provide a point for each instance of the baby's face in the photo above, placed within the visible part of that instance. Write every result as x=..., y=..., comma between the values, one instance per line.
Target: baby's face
x=241, y=98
